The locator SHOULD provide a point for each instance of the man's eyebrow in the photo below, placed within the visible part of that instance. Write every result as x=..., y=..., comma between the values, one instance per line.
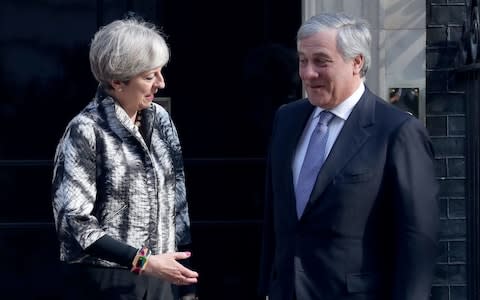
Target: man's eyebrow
x=315, y=54
x=320, y=54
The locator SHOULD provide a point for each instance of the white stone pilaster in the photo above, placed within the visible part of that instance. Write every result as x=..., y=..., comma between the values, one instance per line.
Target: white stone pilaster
x=398, y=30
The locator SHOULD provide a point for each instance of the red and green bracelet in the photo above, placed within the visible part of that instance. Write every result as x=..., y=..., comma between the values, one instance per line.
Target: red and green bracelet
x=140, y=261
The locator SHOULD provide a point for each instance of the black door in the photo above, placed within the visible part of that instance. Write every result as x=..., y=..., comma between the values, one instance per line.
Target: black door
x=232, y=64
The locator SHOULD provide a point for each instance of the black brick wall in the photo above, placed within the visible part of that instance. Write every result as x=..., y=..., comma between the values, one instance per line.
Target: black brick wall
x=445, y=107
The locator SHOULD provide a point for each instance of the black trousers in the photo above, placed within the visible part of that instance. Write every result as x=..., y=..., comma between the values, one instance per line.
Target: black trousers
x=87, y=282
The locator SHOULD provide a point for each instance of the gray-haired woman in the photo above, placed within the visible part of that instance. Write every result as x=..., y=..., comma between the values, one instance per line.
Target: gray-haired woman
x=119, y=198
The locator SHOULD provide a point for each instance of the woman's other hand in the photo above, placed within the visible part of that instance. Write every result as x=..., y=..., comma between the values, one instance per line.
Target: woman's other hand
x=189, y=297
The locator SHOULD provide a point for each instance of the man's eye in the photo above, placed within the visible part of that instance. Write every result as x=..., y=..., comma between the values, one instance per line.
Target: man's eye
x=321, y=62
x=149, y=78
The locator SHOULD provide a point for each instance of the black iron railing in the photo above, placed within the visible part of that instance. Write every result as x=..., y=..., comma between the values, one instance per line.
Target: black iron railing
x=468, y=66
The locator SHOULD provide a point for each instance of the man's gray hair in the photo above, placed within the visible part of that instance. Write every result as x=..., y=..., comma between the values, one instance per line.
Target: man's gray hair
x=353, y=35
x=126, y=48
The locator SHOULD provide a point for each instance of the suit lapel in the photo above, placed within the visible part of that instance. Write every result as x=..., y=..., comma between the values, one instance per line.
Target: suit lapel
x=294, y=126
x=352, y=136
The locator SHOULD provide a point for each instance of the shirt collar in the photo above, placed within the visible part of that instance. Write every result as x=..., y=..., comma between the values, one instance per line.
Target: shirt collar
x=345, y=107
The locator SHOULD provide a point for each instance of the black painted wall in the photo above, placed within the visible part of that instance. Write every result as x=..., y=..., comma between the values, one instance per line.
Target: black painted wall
x=232, y=64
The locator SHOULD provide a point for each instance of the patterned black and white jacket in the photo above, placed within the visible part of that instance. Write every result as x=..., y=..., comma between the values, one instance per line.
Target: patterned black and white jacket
x=111, y=178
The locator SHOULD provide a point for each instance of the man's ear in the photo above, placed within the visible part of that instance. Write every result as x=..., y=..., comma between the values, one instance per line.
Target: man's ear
x=358, y=62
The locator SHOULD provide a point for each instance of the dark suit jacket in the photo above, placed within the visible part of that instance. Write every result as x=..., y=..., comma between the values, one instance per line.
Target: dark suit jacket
x=369, y=230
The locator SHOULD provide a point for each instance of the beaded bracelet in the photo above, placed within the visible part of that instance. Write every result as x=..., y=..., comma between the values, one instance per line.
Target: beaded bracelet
x=140, y=261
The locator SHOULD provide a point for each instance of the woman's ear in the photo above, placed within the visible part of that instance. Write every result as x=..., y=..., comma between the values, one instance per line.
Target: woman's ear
x=117, y=85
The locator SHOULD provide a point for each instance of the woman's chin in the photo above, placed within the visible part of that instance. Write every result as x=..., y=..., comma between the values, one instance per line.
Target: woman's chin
x=145, y=104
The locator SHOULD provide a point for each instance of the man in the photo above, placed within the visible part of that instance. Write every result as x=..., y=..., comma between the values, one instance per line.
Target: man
x=364, y=224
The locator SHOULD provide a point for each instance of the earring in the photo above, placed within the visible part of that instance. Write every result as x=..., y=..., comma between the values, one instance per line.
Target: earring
x=120, y=90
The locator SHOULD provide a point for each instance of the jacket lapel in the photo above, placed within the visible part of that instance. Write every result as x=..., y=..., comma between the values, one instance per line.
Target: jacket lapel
x=352, y=136
x=120, y=124
x=295, y=125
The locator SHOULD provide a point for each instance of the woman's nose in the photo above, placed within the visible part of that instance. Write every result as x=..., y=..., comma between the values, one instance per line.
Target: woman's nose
x=160, y=81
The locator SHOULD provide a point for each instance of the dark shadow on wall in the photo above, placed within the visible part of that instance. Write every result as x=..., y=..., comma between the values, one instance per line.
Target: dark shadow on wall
x=270, y=77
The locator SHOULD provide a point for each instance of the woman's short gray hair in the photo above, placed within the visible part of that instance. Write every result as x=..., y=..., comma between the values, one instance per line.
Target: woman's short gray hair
x=353, y=35
x=126, y=48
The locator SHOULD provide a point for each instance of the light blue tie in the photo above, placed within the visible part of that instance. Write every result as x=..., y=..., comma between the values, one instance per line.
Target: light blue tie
x=314, y=158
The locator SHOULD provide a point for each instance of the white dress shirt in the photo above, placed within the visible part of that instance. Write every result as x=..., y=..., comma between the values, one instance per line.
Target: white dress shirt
x=341, y=112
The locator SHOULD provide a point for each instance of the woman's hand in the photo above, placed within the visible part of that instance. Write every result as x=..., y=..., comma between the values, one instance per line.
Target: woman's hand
x=168, y=268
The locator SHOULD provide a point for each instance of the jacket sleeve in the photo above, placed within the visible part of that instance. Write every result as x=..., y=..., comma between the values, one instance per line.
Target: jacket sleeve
x=414, y=190
x=73, y=188
x=268, y=240
x=182, y=219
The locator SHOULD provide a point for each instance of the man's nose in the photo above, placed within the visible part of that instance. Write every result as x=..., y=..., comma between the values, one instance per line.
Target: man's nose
x=308, y=71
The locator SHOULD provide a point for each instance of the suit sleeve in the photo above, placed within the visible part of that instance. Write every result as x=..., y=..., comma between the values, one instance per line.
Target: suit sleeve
x=268, y=238
x=268, y=241
x=414, y=190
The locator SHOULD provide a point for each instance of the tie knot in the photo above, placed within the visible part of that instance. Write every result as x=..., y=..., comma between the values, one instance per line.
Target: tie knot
x=325, y=117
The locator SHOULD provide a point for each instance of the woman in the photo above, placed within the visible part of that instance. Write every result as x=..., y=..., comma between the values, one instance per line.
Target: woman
x=118, y=188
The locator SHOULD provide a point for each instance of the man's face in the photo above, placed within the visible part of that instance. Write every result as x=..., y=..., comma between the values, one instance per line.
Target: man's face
x=327, y=78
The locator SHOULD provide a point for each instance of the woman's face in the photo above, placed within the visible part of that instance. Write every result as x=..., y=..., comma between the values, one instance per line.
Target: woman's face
x=138, y=92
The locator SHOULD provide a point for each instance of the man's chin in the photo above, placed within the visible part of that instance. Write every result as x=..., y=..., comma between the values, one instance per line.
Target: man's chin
x=317, y=100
